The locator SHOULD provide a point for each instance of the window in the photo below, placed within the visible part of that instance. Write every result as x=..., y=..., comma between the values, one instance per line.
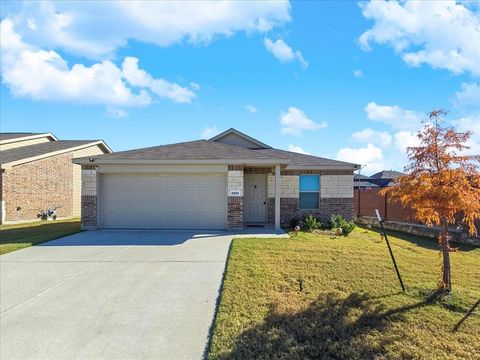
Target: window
x=309, y=191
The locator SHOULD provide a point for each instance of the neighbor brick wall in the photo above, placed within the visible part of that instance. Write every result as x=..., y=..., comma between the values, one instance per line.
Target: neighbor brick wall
x=31, y=187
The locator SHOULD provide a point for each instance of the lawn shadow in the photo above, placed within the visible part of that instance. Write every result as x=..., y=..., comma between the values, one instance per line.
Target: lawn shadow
x=466, y=316
x=332, y=327
x=422, y=241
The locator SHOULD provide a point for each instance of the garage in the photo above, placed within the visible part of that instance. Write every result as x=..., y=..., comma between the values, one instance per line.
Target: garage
x=163, y=201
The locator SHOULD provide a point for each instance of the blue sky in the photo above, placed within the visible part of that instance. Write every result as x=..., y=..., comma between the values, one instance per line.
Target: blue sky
x=345, y=80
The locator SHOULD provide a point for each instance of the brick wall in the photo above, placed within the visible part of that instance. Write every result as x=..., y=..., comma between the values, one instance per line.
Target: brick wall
x=89, y=197
x=235, y=212
x=29, y=188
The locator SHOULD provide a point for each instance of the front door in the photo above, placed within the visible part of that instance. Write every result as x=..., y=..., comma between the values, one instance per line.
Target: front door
x=255, y=186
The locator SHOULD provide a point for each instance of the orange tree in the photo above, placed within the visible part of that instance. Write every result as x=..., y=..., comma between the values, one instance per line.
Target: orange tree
x=440, y=183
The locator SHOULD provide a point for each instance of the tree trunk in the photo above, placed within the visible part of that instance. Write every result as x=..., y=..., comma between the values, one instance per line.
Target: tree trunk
x=446, y=275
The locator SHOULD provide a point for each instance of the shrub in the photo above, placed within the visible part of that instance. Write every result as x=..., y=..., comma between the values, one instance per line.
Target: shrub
x=339, y=222
x=311, y=223
x=295, y=221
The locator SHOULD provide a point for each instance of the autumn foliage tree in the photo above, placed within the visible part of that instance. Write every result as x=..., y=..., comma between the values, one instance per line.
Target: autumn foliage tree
x=440, y=183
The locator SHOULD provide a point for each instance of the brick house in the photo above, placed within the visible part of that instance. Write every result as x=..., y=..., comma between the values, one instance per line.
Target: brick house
x=229, y=181
x=36, y=172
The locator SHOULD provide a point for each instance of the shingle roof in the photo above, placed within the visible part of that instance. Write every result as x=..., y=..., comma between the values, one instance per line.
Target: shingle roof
x=25, y=152
x=192, y=150
x=364, y=184
x=386, y=174
x=8, y=136
x=297, y=159
x=359, y=177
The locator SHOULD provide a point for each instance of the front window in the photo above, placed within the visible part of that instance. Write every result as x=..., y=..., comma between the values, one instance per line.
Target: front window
x=309, y=191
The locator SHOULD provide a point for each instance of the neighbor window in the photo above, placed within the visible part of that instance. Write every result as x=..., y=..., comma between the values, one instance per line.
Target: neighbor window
x=309, y=191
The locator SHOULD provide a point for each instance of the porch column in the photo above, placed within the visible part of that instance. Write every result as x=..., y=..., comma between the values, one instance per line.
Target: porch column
x=277, y=197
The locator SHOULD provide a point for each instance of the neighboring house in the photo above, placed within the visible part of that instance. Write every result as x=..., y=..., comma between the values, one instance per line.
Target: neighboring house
x=228, y=181
x=362, y=182
x=385, y=177
x=37, y=172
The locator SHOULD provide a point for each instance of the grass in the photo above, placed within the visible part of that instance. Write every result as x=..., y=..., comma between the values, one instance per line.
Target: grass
x=319, y=297
x=18, y=236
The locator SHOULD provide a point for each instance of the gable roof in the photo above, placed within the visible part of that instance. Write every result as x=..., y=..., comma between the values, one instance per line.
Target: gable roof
x=11, y=157
x=359, y=177
x=196, y=151
x=386, y=174
x=298, y=160
x=20, y=136
x=232, y=131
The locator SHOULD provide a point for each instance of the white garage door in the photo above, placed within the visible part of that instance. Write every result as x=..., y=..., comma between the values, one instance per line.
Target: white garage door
x=163, y=201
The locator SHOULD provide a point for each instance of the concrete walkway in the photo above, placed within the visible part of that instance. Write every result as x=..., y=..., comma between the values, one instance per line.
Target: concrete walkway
x=112, y=295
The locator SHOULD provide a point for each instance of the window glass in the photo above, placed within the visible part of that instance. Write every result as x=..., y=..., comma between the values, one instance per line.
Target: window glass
x=309, y=191
x=309, y=183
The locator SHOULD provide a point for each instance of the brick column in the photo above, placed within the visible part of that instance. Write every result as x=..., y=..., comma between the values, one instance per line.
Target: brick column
x=89, y=197
x=235, y=197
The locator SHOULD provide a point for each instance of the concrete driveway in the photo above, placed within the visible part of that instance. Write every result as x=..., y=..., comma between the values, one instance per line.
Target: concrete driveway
x=112, y=295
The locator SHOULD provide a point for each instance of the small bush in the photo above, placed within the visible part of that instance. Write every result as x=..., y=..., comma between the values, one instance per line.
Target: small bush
x=339, y=222
x=295, y=221
x=311, y=223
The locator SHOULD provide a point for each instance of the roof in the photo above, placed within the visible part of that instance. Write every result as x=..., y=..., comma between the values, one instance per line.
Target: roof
x=16, y=136
x=358, y=177
x=8, y=136
x=214, y=151
x=297, y=159
x=36, y=150
x=386, y=174
x=364, y=184
x=260, y=144
x=191, y=150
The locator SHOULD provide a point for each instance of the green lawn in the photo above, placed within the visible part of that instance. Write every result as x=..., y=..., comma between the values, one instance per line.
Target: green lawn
x=14, y=237
x=319, y=297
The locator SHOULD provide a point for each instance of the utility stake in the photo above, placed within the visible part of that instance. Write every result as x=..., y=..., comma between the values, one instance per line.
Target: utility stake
x=389, y=249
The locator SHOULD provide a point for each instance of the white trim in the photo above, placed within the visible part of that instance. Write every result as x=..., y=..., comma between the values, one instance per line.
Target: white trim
x=350, y=167
x=28, y=137
x=277, y=197
x=11, y=164
x=242, y=135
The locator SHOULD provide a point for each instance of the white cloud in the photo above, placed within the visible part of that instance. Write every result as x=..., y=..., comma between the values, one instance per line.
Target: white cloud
x=443, y=34
x=394, y=116
x=357, y=73
x=379, y=138
x=370, y=156
x=294, y=122
x=404, y=139
x=297, y=149
x=81, y=28
x=164, y=89
x=251, y=108
x=209, y=132
x=468, y=96
x=44, y=75
x=471, y=123
x=283, y=52
x=115, y=112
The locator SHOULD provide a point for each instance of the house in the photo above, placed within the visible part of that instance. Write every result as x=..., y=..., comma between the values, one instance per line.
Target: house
x=362, y=182
x=385, y=177
x=226, y=182
x=37, y=173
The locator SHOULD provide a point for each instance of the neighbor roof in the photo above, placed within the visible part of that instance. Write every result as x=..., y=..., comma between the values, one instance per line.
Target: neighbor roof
x=13, y=136
x=37, y=150
x=386, y=174
x=358, y=177
x=364, y=184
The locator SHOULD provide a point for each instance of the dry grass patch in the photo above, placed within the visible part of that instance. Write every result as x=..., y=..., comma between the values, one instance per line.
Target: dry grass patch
x=318, y=297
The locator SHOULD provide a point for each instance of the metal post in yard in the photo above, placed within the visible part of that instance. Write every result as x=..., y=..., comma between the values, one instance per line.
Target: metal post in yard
x=389, y=249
